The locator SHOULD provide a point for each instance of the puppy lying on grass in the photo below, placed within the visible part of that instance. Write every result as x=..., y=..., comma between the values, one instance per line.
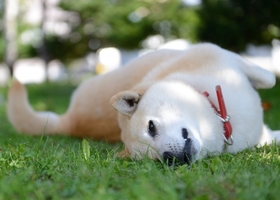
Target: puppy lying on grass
x=171, y=105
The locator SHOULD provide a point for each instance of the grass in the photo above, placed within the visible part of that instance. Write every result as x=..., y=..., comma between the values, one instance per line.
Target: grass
x=59, y=167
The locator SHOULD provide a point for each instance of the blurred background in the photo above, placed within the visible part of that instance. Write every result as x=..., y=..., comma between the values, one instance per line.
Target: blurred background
x=62, y=40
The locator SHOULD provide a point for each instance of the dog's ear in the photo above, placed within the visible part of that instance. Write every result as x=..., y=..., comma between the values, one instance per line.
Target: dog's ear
x=126, y=102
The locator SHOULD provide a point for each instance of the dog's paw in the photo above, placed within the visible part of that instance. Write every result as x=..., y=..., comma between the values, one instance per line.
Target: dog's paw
x=124, y=154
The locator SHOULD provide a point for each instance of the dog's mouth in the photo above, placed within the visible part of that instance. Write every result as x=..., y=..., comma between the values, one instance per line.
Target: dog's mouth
x=175, y=159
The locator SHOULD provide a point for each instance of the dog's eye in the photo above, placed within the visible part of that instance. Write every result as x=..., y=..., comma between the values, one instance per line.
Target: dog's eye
x=152, y=128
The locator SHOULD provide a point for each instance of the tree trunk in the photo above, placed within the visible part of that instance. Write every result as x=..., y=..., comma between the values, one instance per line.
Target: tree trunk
x=10, y=31
x=43, y=49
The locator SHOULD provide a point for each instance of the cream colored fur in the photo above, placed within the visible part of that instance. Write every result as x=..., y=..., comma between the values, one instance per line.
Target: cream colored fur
x=89, y=113
x=163, y=87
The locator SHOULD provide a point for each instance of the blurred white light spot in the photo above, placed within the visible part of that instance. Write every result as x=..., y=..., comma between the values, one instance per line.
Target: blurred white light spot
x=61, y=28
x=276, y=54
x=32, y=37
x=192, y=2
x=153, y=42
x=30, y=71
x=138, y=14
x=134, y=17
x=55, y=70
x=178, y=44
x=109, y=59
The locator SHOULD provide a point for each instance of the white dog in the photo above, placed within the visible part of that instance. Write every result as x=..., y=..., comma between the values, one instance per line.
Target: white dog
x=172, y=105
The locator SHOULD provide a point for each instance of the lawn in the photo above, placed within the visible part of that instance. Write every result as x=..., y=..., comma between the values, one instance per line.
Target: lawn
x=59, y=167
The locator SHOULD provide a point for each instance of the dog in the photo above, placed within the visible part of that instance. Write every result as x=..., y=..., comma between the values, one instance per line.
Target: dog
x=170, y=105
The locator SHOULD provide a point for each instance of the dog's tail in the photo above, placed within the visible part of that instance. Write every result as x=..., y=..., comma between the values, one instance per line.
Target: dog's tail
x=26, y=120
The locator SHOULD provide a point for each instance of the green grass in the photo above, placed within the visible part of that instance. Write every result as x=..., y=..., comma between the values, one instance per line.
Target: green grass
x=57, y=167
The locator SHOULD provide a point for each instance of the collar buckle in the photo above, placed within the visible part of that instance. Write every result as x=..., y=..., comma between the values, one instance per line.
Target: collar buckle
x=222, y=115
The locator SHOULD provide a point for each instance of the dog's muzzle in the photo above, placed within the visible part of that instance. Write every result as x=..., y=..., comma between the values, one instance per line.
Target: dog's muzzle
x=184, y=157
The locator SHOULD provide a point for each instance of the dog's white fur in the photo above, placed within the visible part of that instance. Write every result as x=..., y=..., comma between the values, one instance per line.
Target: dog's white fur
x=163, y=88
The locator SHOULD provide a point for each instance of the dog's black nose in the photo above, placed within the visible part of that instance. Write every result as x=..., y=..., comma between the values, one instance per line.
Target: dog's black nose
x=176, y=159
x=184, y=157
x=185, y=133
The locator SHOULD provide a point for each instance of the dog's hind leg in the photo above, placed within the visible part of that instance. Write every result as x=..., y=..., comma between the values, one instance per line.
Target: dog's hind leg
x=268, y=136
x=259, y=77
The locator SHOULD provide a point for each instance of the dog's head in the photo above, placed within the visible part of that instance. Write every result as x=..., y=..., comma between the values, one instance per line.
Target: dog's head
x=166, y=122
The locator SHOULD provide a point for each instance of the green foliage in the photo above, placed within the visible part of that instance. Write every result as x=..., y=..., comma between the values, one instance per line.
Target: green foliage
x=27, y=50
x=234, y=23
x=124, y=24
x=121, y=23
x=231, y=24
x=86, y=149
x=2, y=47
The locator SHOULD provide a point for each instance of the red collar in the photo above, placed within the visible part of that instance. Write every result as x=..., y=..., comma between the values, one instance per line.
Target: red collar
x=222, y=114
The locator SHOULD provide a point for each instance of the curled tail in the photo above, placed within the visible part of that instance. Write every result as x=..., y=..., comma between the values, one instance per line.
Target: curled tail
x=25, y=119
